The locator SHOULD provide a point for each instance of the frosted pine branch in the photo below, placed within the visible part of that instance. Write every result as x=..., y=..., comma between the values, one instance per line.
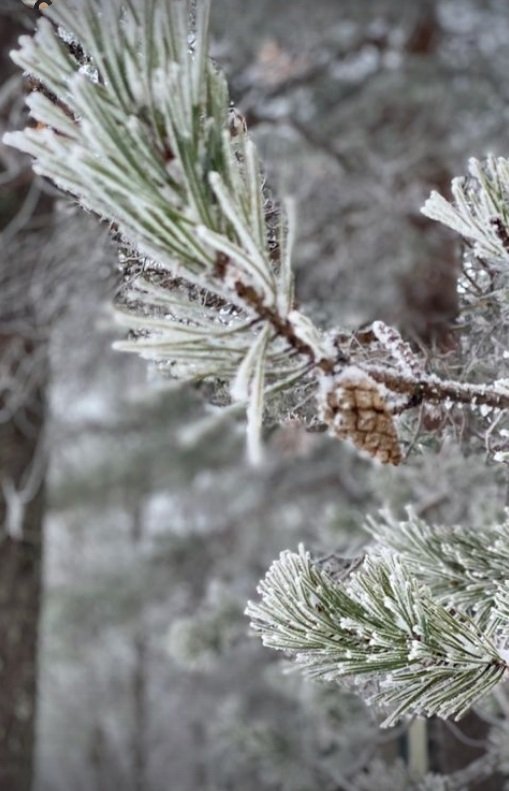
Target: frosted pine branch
x=480, y=208
x=432, y=389
x=143, y=137
x=135, y=122
x=381, y=624
x=464, y=567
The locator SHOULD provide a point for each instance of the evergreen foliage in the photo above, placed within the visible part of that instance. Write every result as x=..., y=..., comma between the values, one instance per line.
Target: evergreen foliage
x=382, y=622
x=134, y=121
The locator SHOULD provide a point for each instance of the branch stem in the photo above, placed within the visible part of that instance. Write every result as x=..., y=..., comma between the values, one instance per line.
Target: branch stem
x=431, y=388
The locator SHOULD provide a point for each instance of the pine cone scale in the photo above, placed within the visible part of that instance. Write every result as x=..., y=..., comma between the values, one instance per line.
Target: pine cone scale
x=354, y=408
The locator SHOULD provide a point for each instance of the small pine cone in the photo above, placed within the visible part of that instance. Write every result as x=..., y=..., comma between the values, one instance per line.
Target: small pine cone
x=354, y=409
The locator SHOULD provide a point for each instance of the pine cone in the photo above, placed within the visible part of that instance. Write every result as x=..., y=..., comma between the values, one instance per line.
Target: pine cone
x=354, y=409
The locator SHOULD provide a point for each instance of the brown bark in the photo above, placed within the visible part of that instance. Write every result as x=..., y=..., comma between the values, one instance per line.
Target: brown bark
x=21, y=427
x=449, y=754
x=425, y=35
x=20, y=595
x=429, y=293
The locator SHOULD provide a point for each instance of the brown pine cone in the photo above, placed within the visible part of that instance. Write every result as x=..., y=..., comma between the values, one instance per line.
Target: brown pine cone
x=354, y=409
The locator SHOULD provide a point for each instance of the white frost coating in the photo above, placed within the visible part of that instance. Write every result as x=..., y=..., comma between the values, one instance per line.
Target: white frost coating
x=286, y=244
x=352, y=373
x=400, y=351
x=502, y=386
x=241, y=385
x=248, y=385
x=479, y=204
x=329, y=630
x=307, y=332
x=244, y=233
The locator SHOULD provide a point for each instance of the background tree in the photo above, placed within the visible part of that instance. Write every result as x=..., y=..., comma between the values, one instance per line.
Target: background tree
x=24, y=366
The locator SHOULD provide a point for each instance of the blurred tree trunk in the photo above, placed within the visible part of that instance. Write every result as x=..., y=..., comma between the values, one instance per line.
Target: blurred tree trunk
x=23, y=375
x=430, y=291
x=425, y=36
x=454, y=749
x=20, y=588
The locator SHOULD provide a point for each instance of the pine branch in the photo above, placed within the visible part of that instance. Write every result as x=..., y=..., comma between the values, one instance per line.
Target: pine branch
x=434, y=390
x=143, y=136
x=463, y=567
x=383, y=624
x=480, y=208
x=133, y=119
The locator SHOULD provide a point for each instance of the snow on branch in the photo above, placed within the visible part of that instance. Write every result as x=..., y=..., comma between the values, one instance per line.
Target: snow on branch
x=133, y=119
x=480, y=208
x=463, y=567
x=139, y=129
x=382, y=624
